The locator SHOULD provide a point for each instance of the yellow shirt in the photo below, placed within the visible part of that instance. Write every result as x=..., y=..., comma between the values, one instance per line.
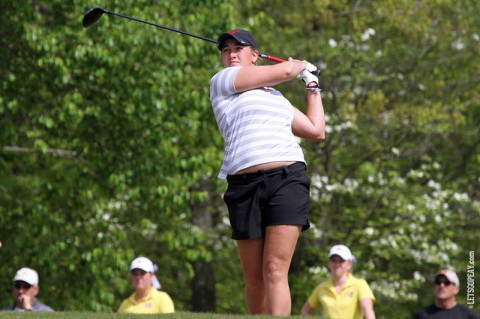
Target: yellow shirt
x=345, y=304
x=155, y=302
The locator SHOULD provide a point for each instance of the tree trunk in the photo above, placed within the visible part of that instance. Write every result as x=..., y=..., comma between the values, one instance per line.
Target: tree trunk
x=203, y=287
x=203, y=283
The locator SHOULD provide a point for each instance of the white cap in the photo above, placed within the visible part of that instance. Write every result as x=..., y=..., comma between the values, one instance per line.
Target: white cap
x=342, y=251
x=147, y=265
x=142, y=263
x=450, y=275
x=28, y=275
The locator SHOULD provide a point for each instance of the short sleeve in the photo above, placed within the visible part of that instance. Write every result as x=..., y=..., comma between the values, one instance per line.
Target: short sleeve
x=313, y=299
x=364, y=291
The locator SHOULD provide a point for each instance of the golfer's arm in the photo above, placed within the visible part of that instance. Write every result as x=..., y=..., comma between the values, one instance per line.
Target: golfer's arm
x=252, y=77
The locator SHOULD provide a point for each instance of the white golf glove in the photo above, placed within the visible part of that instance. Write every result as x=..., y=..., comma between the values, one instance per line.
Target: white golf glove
x=308, y=77
x=310, y=67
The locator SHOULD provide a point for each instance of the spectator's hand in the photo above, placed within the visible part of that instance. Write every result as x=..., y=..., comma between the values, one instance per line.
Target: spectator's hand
x=25, y=301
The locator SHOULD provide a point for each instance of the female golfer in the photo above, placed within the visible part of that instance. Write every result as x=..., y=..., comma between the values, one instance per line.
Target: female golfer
x=268, y=189
x=343, y=295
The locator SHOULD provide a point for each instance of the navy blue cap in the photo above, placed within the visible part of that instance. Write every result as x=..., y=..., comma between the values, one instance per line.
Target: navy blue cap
x=242, y=36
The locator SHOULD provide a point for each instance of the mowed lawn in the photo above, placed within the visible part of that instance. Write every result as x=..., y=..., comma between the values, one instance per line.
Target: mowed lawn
x=94, y=315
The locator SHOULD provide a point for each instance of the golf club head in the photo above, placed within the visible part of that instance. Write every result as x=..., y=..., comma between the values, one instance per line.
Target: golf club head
x=92, y=16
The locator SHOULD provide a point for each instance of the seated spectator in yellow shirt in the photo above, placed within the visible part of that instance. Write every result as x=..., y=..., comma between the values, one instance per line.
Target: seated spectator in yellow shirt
x=146, y=298
x=343, y=296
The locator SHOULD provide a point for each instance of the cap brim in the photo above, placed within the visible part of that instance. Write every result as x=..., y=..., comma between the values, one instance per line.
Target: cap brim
x=338, y=256
x=222, y=38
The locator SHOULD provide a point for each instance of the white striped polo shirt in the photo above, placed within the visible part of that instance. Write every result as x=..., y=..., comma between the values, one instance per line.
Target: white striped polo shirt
x=256, y=125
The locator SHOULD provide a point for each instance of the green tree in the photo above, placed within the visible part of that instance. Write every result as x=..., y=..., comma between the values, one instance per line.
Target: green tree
x=109, y=148
x=106, y=135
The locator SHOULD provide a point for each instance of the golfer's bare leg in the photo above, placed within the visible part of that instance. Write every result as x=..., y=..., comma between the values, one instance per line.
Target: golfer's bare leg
x=280, y=242
x=251, y=256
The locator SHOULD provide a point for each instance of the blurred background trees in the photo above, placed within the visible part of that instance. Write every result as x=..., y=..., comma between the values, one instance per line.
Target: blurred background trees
x=109, y=148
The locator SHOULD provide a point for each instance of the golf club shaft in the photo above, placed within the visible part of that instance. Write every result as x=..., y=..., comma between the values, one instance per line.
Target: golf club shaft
x=268, y=57
x=95, y=13
x=160, y=26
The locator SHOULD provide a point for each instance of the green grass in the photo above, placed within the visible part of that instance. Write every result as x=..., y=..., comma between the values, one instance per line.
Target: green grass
x=93, y=315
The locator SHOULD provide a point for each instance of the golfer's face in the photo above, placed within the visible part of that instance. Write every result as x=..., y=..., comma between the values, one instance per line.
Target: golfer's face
x=141, y=279
x=234, y=54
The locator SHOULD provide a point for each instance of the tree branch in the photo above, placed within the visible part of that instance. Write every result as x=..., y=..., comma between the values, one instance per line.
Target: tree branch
x=54, y=151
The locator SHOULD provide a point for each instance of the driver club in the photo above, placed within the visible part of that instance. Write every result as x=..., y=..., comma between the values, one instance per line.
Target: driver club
x=94, y=14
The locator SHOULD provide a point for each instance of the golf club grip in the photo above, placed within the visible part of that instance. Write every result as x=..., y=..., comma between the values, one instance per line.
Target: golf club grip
x=272, y=58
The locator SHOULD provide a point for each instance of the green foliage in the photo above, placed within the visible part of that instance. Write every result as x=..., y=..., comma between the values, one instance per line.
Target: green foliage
x=109, y=148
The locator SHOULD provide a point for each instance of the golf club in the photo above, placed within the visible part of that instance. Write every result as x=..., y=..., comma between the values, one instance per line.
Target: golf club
x=94, y=14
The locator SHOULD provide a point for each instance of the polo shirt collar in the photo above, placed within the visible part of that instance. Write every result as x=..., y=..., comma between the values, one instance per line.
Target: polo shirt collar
x=148, y=297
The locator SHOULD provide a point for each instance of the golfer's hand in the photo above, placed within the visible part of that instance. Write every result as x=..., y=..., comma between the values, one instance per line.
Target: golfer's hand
x=310, y=67
x=308, y=77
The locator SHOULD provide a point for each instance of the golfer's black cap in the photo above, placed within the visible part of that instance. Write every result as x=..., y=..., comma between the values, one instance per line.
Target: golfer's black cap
x=242, y=36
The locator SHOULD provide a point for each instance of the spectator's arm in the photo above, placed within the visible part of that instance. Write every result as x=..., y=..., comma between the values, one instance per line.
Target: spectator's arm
x=367, y=308
x=306, y=309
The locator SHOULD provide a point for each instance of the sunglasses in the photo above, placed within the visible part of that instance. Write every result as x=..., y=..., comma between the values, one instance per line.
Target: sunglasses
x=22, y=285
x=446, y=283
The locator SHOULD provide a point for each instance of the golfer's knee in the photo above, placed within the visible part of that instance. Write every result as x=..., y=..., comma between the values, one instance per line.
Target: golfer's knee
x=274, y=272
